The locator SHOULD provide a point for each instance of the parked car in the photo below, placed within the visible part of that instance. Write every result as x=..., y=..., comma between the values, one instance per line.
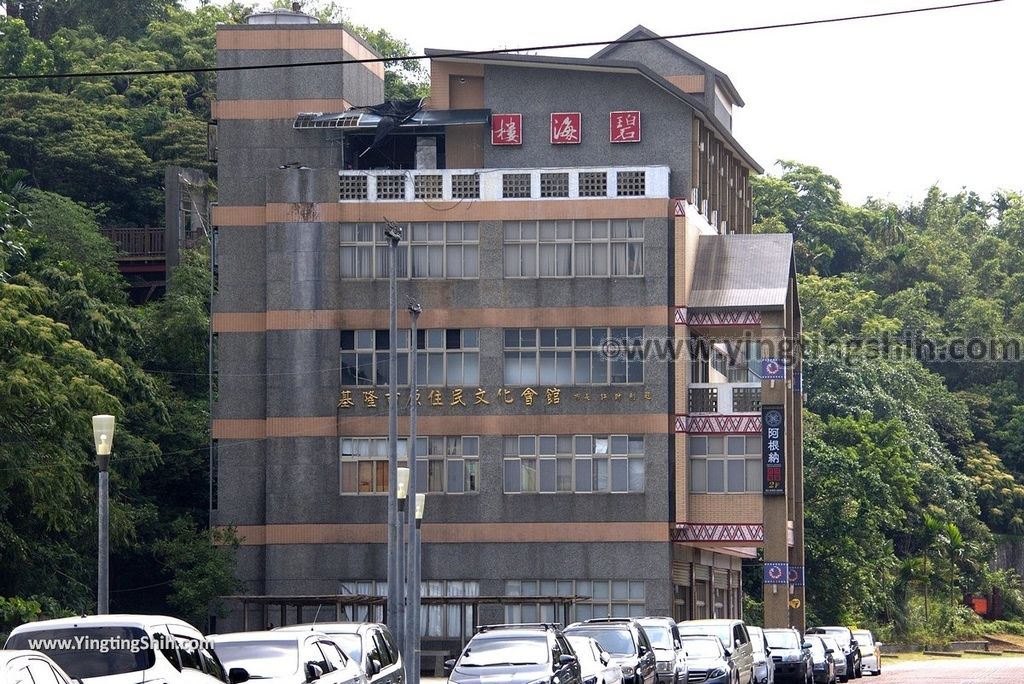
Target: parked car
x=663, y=633
x=596, y=665
x=370, y=644
x=286, y=658
x=735, y=640
x=516, y=654
x=706, y=658
x=870, y=651
x=30, y=667
x=823, y=660
x=627, y=643
x=837, y=655
x=848, y=644
x=112, y=649
x=791, y=654
x=764, y=666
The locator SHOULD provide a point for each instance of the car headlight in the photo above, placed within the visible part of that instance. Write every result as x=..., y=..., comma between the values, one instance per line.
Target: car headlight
x=717, y=672
x=590, y=680
x=664, y=666
x=792, y=658
x=627, y=670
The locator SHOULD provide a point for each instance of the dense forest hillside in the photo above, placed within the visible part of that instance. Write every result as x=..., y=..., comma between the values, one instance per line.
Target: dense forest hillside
x=914, y=429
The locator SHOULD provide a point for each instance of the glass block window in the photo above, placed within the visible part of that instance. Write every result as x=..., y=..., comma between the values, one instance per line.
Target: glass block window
x=391, y=187
x=593, y=184
x=554, y=185
x=631, y=183
x=466, y=186
x=353, y=188
x=428, y=187
x=515, y=185
x=582, y=464
x=722, y=464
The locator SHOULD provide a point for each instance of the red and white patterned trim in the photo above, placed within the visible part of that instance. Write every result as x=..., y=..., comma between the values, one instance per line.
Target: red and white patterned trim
x=717, y=318
x=743, y=533
x=727, y=424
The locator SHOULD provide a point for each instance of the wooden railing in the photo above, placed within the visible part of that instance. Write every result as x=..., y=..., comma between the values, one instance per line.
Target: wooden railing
x=137, y=242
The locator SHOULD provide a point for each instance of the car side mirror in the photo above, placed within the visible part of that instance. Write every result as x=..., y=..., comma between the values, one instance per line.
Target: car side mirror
x=374, y=666
x=829, y=650
x=806, y=646
x=879, y=644
x=449, y=665
x=313, y=672
x=236, y=675
x=767, y=650
x=605, y=659
x=566, y=659
x=727, y=652
x=854, y=644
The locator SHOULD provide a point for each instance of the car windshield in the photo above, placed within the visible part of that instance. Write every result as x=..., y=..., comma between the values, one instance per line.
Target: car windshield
x=351, y=644
x=85, y=652
x=701, y=648
x=506, y=651
x=260, y=658
x=841, y=635
x=781, y=639
x=659, y=636
x=756, y=641
x=583, y=649
x=863, y=638
x=817, y=649
x=831, y=643
x=723, y=632
x=615, y=641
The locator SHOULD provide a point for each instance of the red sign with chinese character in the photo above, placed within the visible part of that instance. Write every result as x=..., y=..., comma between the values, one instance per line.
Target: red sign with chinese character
x=566, y=128
x=506, y=129
x=624, y=127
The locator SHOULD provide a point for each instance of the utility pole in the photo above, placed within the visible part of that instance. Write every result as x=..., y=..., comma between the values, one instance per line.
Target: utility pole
x=393, y=233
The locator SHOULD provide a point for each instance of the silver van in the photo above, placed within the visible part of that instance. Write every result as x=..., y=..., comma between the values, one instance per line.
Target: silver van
x=735, y=639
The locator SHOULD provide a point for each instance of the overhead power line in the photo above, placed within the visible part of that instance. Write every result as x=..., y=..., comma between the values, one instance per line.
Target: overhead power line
x=480, y=53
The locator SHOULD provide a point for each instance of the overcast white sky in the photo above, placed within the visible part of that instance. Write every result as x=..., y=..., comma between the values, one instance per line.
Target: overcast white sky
x=889, y=106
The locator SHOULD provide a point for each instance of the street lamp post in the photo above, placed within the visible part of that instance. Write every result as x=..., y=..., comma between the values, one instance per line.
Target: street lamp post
x=103, y=436
x=412, y=619
x=416, y=554
x=403, y=493
x=393, y=233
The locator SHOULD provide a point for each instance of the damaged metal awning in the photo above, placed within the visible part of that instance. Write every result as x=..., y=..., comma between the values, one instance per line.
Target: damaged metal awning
x=364, y=119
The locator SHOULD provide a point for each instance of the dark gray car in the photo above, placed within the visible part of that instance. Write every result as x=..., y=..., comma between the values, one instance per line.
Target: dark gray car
x=516, y=654
x=627, y=643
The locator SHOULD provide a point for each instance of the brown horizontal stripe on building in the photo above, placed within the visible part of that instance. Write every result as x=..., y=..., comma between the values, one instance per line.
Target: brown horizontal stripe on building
x=372, y=426
x=356, y=319
x=273, y=109
x=239, y=216
x=277, y=38
x=457, y=533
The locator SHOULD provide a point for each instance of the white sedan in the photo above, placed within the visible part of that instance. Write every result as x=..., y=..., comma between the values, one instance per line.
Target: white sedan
x=596, y=666
x=286, y=658
x=27, y=667
x=870, y=653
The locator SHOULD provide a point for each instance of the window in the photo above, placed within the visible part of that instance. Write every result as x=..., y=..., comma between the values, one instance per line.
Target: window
x=551, y=464
x=437, y=620
x=573, y=356
x=445, y=357
x=727, y=463
x=443, y=464
x=712, y=361
x=608, y=598
x=432, y=250
x=565, y=249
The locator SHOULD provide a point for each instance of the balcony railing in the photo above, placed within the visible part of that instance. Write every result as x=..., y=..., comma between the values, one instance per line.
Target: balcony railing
x=499, y=184
x=137, y=242
x=724, y=397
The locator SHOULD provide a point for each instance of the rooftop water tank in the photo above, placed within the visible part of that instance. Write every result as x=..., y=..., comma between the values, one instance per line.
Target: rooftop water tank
x=282, y=16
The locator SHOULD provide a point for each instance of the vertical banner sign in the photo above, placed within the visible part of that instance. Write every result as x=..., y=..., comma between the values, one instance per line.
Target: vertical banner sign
x=773, y=449
x=776, y=573
x=773, y=369
x=506, y=129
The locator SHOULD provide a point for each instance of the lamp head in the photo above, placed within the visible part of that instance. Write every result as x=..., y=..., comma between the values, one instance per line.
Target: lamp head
x=403, y=483
x=103, y=434
x=421, y=503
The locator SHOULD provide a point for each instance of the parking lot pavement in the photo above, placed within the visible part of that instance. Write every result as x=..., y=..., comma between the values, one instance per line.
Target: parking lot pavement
x=984, y=670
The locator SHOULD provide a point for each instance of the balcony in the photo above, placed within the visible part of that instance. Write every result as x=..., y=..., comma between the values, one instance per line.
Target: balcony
x=724, y=397
x=454, y=185
x=136, y=243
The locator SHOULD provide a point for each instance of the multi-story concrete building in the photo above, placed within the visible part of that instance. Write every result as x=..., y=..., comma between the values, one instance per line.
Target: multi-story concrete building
x=549, y=205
